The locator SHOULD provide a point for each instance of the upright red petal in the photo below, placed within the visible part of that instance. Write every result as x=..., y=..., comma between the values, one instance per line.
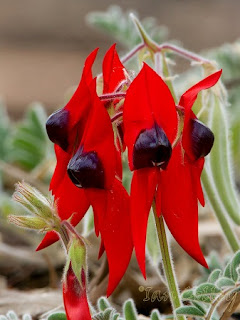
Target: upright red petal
x=179, y=204
x=112, y=208
x=113, y=70
x=148, y=101
x=143, y=188
x=75, y=297
x=188, y=98
x=98, y=137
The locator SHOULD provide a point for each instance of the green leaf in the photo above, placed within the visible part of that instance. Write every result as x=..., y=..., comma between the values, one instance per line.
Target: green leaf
x=190, y=311
x=5, y=131
x=215, y=274
x=225, y=282
x=103, y=304
x=235, y=265
x=227, y=271
x=207, y=289
x=199, y=306
x=115, y=22
x=155, y=315
x=108, y=314
x=29, y=143
x=189, y=295
x=130, y=311
x=222, y=170
x=57, y=316
x=11, y=315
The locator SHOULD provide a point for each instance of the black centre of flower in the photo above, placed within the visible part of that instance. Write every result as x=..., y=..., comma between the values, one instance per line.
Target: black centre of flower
x=202, y=139
x=86, y=170
x=152, y=148
x=56, y=126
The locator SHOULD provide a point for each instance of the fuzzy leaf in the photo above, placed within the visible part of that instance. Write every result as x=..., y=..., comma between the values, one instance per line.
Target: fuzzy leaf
x=57, y=316
x=190, y=311
x=227, y=271
x=207, y=289
x=225, y=282
x=130, y=311
x=103, y=304
x=215, y=274
x=155, y=315
x=235, y=265
x=188, y=295
x=29, y=144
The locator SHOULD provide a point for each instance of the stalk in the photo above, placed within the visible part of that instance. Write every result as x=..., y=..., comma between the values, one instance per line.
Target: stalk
x=169, y=273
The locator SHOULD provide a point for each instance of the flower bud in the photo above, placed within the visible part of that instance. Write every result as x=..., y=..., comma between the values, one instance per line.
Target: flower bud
x=152, y=149
x=86, y=170
x=202, y=139
x=28, y=222
x=33, y=200
x=45, y=217
x=74, y=281
x=56, y=126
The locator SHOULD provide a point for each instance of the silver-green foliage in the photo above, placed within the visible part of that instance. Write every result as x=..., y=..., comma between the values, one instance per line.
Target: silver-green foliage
x=220, y=286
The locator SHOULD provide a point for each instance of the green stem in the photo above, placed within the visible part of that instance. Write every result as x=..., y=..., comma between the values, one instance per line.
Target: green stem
x=167, y=263
x=219, y=211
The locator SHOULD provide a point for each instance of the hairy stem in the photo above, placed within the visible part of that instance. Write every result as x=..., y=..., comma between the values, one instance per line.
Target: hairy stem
x=167, y=263
x=132, y=53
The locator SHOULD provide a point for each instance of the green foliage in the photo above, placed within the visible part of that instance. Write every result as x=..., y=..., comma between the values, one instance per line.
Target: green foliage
x=5, y=131
x=29, y=143
x=115, y=22
x=205, y=297
x=57, y=316
x=11, y=315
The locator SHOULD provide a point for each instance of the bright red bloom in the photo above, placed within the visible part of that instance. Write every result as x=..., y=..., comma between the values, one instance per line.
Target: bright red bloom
x=75, y=296
x=87, y=165
x=171, y=176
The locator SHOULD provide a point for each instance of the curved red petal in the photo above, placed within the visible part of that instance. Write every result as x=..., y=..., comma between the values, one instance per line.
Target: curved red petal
x=60, y=169
x=196, y=168
x=75, y=297
x=49, y=238
x=148, y=100
x=69, y=200
x=179, y=204
x=112, y=208
x=98, y=136
x=143, y=188
x=113, y=70
x=188, y=98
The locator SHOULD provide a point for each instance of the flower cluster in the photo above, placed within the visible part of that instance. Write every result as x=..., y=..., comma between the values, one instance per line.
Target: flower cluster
x=166, y=147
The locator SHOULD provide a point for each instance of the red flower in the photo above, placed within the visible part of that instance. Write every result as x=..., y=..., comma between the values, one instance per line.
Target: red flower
x=86, y=168
x=75, y=296
x=171, y=176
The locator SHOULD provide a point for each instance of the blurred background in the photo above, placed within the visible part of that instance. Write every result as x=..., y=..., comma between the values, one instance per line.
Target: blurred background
x=43, y=43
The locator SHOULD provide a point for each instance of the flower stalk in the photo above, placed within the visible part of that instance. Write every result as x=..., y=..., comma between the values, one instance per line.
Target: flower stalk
x=167, y=262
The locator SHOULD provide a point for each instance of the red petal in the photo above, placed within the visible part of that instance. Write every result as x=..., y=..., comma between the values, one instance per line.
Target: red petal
x=75, y=297
x=98, y=136
x=197, y=167
x=71, y=199
x=80, y=103
x=60, y=169
x=179, y=204
x=148, y=100
x=112, y=209
x=113, y=70
x=50, y=238
x=188, y=98
x=143, y=188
